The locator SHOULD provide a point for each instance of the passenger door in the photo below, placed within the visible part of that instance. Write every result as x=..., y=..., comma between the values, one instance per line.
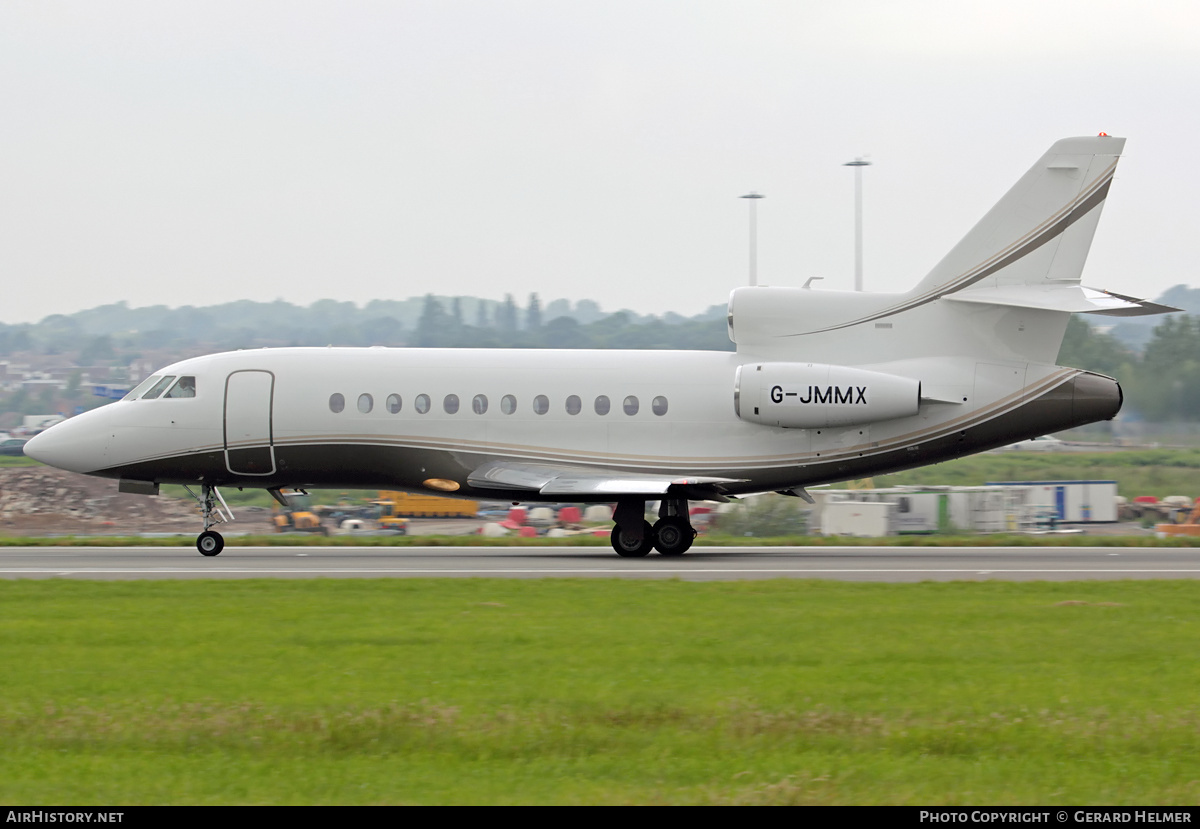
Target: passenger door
x=249, y=440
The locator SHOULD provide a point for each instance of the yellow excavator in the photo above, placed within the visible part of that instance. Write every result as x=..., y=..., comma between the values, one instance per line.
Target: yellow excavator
x=292, y=513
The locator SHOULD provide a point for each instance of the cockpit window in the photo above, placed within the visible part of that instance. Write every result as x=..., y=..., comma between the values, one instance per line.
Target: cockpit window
x=159, y=387
x=142, y=386
x=184, y=387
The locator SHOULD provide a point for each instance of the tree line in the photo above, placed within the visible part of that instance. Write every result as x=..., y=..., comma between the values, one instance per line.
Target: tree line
x=1161, y=382
x=115, y=334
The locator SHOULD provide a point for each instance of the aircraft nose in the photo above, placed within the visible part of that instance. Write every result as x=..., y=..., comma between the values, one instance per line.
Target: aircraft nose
x=76, y=445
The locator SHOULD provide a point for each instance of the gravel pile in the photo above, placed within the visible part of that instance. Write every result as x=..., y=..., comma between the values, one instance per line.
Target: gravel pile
x=40, y=500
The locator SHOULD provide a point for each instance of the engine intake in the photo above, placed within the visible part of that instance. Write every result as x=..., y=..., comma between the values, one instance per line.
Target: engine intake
x=813, y=395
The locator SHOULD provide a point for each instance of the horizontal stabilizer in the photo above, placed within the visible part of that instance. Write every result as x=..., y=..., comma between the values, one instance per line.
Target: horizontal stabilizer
x=1144, y=307
x=1074, y=299
x=553, y=479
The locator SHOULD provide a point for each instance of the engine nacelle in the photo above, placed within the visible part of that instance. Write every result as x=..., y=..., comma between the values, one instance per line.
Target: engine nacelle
x=812, y=395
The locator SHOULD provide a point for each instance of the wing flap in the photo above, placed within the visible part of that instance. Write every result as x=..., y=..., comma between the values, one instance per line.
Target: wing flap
x=553, y=479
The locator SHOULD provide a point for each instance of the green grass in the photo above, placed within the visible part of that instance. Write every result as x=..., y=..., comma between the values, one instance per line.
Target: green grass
x=599, y=692
x=17, y=460
x=713, y=540
x=1158, y=472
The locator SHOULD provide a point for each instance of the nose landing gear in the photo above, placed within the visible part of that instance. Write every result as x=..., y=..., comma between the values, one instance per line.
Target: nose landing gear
x=210, y=542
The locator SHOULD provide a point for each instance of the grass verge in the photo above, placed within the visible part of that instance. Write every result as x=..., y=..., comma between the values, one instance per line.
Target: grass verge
x=1158, y=472
x=715, y=540
x=589, y=692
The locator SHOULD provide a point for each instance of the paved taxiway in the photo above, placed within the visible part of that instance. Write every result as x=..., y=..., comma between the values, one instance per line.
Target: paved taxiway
x=892, y=564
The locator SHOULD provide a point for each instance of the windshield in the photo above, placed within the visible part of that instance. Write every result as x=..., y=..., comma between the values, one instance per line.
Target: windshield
x=141, y=387
x=158, y=388
x=154, y=387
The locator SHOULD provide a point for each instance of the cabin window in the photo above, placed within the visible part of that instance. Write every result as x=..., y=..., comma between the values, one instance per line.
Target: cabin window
x=574, y=404
x=450, y=404
x=541, y=404
x=142, y=386
x=394, y=403
x=158, y=388
x=184, y=387
x=365, y=403
x=631, y=405
x=479, y=404
x=659, y=405
x=422, y=403
x=337, y=403
x=603, y=405
x=508, y=404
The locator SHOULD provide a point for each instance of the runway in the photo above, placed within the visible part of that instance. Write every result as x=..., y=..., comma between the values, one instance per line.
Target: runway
x=885, y=564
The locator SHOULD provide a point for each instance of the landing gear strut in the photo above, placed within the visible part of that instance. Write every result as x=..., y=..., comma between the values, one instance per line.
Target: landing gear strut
x=210, y=542
x=633, y=537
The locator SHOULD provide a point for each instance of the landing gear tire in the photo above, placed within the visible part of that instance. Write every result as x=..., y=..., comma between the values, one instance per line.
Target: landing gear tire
x=673, y=536
x=628, y=548
x=210, y=543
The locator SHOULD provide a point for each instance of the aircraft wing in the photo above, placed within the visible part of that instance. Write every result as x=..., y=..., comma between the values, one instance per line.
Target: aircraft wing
x=561, y=480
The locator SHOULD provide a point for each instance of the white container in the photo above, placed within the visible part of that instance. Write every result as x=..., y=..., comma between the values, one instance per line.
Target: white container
x=861, y=519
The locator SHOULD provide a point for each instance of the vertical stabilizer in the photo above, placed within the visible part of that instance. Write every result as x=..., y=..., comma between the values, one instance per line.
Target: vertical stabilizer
x=1039, y=233
x=1003, y=293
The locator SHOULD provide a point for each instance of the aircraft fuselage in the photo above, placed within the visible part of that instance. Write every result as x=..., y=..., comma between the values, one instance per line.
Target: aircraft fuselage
x=401, y=418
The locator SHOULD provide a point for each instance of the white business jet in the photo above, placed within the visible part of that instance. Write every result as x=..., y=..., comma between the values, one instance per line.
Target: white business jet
x=824, y=386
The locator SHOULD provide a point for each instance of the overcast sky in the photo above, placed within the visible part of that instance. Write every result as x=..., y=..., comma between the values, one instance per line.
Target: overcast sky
x=196, y=153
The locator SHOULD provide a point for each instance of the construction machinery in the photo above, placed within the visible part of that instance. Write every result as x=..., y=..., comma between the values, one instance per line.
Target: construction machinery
x=296, y=515
x=395, y=506
x=1189, y=525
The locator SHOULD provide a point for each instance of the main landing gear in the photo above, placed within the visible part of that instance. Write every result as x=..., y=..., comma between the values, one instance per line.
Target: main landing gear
x=210, y=542
x=634, y=537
